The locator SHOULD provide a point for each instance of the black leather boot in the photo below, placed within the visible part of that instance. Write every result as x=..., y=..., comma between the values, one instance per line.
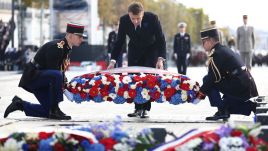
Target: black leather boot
x=144, y=114
x=15, y=105
x=220, y=114
x=57, y=114
x=135, y=114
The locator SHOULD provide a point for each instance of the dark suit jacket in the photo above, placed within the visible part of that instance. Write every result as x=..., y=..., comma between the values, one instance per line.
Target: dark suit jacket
x=182, y=44
x=145, y=45
x=111, y=42
x=224, y=73
x=49, y=57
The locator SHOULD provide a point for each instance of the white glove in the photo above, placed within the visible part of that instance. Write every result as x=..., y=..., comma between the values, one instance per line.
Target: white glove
x=175, y=56
x=187, y=56
x=196, y=101
x=68, y=94
x=124, y=55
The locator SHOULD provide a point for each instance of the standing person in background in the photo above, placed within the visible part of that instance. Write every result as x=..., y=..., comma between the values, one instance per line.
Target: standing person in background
x=246, y=42
x=146, y=47
x=221, y=35
x=44, y=77
x=182, y=48
x=111, y=42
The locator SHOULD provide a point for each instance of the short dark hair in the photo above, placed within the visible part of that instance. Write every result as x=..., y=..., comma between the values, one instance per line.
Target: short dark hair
x=135, y=8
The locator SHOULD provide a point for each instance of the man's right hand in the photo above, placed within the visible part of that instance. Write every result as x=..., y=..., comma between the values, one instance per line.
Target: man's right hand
x=111, y=65
x=175, y=56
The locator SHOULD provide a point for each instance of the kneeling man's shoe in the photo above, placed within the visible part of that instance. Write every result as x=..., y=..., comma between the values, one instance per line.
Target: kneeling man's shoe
x=15, y=105
x=144, y=114
x=219, y=115
x=57, y=115
x=135, y=114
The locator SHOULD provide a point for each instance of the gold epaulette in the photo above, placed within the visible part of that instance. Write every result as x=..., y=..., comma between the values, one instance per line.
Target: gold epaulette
x=61, y=44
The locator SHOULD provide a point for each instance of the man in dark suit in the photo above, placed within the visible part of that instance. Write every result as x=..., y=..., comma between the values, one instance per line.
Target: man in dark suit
x=111, y=42
x=182, y=48
x=228, y=75
x=147, y=46
x=44, y=77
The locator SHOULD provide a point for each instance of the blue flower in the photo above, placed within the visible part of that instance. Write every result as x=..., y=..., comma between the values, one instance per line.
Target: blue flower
x=176, y=99
x=139, y=99
x=44, y=145
x=174, y=83
x=118, y=135
x=77, y=98
x=160, y=99
x=96, y=78
x=164, y=84
x=98, y=99
x=92, y=147
x=119, y=100
x=25, y=147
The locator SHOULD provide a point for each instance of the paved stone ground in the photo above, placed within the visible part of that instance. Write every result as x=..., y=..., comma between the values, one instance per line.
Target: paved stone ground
x=176, y=118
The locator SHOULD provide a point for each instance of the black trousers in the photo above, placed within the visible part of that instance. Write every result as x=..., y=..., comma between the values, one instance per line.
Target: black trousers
x=181, y=64
x=144, y=106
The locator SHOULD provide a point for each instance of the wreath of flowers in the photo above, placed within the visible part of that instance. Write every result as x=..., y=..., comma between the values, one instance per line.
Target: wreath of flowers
x=225, y=138
x=138, y=88
x=95, y=137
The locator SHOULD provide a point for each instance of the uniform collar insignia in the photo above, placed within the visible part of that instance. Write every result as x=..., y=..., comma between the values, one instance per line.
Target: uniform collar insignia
x=61, y=44
x=211, y=52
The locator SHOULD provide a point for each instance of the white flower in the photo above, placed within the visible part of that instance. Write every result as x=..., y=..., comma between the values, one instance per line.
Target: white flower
x=122, y=147
x=237, y=141
x=184, y=95
x=126, y=95
x=112, y=95
x=126, y=79
x=164, y=99
x=133, y=86
x=224, y=142
x=145, y=94
x=164, y=77
x=142, y=75
x=32, y=136
x=73, y=141
x=12, y=145
x=79, y=88
x=91, y=82
x=86, y=90
x=73, y=84
x=104, y=80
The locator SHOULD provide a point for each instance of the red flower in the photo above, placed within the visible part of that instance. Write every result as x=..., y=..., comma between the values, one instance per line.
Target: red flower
x=109, y=77
x=185, y=87
x=155, y=95
x=151, y=84
x=83, y=95
x=109, y=99
x=137, y=78
x=108, y=143
x=168, y=81
x=151, y=77
x=132, y=93
x=237, y=133
x=45, y=135
x=129, y=100
x=93, y=91
x=2, y=140
x=74, y=90
x=58, y=147
x=121, y=92
x=169, y=92
x=251, y=149
x=33, y=147
x=121, y=78
x=104, y=92
x=79, y=138
x=98, y=83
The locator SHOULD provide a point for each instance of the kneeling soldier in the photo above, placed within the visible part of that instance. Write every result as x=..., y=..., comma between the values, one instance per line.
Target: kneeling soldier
x=228, y=75
x=44, y=77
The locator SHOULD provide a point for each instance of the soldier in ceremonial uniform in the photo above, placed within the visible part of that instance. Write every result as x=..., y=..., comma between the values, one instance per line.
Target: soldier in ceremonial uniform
x=44, y=77
x=147, y=46
x=182, y=48
x=228, y=75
